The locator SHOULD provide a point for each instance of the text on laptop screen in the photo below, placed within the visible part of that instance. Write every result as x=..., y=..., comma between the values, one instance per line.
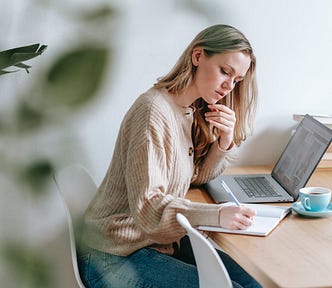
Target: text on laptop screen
x=304, y=151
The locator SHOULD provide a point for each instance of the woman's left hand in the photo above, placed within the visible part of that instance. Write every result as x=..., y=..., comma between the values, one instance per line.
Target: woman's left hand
x=223, y=118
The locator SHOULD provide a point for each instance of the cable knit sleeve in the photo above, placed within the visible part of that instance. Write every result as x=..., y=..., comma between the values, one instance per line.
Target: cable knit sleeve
x=213, y=165
x=147, y=181
x=156, y=187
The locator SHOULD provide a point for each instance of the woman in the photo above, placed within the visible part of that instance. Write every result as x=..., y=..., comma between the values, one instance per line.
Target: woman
x=179, y=133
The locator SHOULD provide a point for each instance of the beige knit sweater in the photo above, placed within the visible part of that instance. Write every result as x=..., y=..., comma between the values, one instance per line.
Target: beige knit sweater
x=148, y=178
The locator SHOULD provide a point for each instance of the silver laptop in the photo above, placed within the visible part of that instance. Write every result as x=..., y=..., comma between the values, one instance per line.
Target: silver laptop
x=291, y=172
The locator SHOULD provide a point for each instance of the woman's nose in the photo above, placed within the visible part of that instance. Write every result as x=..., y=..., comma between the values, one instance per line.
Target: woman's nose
x=228, y=85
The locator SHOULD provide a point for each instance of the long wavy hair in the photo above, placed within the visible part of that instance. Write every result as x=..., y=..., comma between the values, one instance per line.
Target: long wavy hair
x=242, y=99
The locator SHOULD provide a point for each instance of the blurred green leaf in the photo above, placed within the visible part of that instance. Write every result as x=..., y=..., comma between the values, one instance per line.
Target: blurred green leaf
x=28, y=118
x=2, y=72
x=2, y=126
x=22, y=65
x=15, y=57
x=28, y=266
x=37, y=174
x=101, y=13
x=76, y=76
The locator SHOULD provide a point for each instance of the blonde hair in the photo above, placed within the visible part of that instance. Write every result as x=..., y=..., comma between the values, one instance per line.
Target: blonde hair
x=242, y=99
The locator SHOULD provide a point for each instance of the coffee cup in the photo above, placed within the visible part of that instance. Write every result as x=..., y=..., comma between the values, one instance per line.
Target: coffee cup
x=315, y=199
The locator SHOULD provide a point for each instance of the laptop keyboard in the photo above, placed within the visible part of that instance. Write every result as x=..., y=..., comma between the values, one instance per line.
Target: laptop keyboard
x=256, y=187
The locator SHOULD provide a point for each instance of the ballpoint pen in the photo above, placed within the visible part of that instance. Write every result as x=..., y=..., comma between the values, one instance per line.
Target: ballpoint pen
x=230, y=193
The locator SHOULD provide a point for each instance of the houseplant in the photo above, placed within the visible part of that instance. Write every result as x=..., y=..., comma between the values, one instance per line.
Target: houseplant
x=14, y=57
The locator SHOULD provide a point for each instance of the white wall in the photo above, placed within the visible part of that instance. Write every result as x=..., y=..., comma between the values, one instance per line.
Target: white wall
x=293, y=44
x=292, y=41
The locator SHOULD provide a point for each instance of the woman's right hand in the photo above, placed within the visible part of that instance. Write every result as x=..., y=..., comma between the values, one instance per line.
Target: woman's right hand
x=236, y=217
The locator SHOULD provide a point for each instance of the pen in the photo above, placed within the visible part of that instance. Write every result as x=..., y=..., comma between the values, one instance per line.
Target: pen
x=230, y=193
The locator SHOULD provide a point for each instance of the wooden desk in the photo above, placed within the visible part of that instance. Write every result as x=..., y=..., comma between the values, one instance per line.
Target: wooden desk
x=298, y=253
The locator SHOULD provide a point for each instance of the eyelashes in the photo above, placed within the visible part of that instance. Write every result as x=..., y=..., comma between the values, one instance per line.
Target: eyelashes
x=225, y=72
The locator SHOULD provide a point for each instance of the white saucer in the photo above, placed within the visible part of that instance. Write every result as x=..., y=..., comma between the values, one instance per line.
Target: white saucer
x=298, y=208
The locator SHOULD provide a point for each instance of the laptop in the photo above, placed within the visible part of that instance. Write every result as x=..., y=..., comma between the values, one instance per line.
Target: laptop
x=292, y=171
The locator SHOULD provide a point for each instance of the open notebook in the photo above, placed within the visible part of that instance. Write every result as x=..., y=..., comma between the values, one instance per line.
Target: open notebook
x=266, y=219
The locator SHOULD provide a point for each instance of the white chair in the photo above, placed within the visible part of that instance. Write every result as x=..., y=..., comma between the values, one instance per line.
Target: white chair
x=76, y=189
x=211, y=270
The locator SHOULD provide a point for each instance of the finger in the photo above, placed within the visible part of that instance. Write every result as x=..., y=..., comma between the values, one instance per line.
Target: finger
x=243, y=222
x=220, y=107
x=220, y=121
x=242, y=226
x=240, y=222
x=248, y=212
x=221, y=115
x=246, y=221
x=222, y=127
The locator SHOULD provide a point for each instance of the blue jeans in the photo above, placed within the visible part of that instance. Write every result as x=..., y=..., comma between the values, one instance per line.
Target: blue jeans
x=147, y=268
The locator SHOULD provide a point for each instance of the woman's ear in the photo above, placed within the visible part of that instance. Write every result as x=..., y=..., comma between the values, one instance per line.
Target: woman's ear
x=196, y=55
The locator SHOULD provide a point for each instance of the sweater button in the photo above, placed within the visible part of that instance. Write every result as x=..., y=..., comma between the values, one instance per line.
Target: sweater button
x=191, y=151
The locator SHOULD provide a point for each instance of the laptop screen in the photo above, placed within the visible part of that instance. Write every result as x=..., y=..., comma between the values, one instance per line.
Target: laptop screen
x=302, y=155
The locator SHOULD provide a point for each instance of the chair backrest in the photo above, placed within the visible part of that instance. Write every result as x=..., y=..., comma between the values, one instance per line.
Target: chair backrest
x=211, y=269
x=76, y=189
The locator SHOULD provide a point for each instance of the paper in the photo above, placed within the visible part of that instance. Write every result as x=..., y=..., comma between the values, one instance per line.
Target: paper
x=266, y=219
